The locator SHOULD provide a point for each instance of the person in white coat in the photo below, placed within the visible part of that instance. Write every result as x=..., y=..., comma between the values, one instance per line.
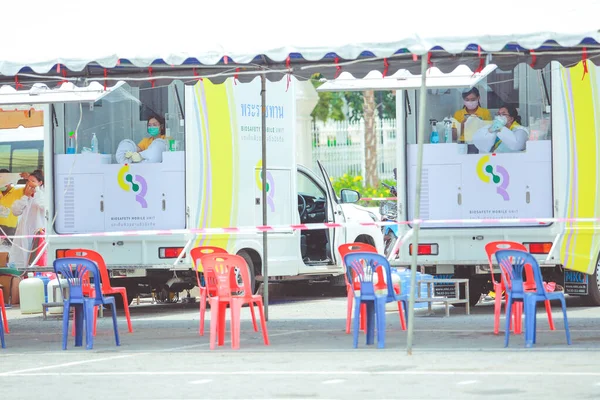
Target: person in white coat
x=505, y=135
x=31, y=212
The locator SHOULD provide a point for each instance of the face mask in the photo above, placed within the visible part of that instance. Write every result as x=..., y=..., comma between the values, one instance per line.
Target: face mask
x=3, y=188
x=471, y=105
x=501, y=119
x=153, y=130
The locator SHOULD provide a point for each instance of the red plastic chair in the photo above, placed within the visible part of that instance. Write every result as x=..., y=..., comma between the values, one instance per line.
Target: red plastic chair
x=361, y=248
x=197, y=253
x=3, y=308
x=219, y=272
x=105, y=279
x=499, y=287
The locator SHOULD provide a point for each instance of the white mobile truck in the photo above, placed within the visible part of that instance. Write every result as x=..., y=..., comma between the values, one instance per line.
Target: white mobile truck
x=557, y=176
x=211, y=179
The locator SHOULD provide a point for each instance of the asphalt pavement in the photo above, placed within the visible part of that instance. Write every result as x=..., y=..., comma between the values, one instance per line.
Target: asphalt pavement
x=310, y=356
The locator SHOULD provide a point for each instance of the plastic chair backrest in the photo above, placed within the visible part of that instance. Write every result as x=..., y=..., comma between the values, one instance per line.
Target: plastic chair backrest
x=198, y=252
x=492, y=247
x=364, y=266
x=217, y=271
x=512, y=263
x=97, y=258
x=355, y=247
x=76, y=278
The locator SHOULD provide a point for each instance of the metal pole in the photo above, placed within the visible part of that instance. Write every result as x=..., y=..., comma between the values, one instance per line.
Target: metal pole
x=416, y=222
x=263, y=95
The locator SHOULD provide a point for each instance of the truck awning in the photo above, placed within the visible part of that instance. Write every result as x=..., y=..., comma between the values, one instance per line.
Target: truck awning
x=65, y=93
x=461, y=77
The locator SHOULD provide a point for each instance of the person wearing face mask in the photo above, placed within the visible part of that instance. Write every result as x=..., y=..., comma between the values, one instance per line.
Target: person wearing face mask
x=472, y=107
x=31, y=211
x=149, y=149
x=504, y=135
x=8, y=195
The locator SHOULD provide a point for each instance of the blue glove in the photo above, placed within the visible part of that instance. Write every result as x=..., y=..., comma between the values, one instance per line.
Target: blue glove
x=496, y=125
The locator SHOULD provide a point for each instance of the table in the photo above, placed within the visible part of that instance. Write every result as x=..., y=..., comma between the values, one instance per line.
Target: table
x=447, y=300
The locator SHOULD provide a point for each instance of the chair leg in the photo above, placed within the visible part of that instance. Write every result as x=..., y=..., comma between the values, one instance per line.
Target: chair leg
x=214, y=321
x=89, y=321
x=2, y=342
x=95, y=311
x=529, y=306
x=202, y=314
x=79, y=318
x=66, y=309
x=350, y=298
x=363, y=317
x=497, y=308
x=564, y=310
x=251, y=305
x=380, y=317
x=235, y=308
x=126, y=309
x=401, y=312
x=4, y=319
x=222, y=308
x=549, y=312
x=508, y=307
x=113, y=308
x=356, y=322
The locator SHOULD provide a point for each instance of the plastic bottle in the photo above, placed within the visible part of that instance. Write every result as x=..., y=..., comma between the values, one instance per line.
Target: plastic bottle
x=94, y=143
x=447, y=131
x=435, y=137
x=71, y=144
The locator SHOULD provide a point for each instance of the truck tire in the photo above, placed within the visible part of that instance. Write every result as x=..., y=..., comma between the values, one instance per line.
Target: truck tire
x=119, y=299
x=593, y=296
x=250, y=263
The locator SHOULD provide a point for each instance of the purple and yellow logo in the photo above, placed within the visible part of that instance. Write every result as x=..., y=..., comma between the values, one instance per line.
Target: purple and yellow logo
x=137, y=184
x=270, y=185
x=499, y=176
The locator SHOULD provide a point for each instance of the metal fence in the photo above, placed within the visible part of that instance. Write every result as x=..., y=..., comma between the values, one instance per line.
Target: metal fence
x=340, y=146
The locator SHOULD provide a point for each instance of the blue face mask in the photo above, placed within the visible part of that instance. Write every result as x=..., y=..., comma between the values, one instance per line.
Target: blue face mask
x=153, y=130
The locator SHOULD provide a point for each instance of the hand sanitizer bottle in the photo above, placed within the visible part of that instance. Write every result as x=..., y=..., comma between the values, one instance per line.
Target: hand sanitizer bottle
x=447, y=130
x=94, y=143
x=435, y=137
x=71, y=143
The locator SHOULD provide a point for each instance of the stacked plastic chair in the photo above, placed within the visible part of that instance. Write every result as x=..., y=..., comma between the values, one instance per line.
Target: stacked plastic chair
x=491, y=248
x=106, y=286
x=74, y=271
x=357, y=247
x=512, y=264
x=3, y=321
x=220, y=277
x=363, y=267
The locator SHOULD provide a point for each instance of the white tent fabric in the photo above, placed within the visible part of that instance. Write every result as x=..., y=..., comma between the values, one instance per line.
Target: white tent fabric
x=75, y=33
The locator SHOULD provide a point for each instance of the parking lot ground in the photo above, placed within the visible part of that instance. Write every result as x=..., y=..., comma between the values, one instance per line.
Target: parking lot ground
x=310, y=356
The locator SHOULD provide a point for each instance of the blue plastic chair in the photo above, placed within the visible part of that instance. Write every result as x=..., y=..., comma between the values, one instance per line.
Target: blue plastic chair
x=364, y=267
x=512, y=264
x=74, y=271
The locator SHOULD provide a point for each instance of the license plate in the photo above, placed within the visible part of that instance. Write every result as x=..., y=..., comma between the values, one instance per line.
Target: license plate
x=576, y=282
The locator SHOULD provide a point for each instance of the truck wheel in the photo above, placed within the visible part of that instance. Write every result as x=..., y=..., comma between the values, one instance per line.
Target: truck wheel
x=593, y=296
x=250, y=263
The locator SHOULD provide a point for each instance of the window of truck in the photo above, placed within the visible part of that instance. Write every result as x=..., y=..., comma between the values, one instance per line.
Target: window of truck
x=119, y=162
x=474, y=168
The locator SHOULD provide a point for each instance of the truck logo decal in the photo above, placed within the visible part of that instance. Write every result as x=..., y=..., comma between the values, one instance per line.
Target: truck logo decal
x=138, y=186
x=270, y=185
x=500, y=177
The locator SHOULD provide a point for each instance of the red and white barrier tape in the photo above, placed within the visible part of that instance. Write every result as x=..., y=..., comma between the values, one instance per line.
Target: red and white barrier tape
x=327, y=225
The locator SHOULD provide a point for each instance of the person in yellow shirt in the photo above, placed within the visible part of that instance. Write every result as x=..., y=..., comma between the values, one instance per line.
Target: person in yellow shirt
x=156, y=130
x=472, y=107
x=8, y=195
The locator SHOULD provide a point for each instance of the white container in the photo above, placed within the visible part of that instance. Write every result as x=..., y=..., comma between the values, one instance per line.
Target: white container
x=31, y=294
x=54, y=288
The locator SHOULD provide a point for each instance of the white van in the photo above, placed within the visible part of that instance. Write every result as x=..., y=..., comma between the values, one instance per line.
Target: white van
x=211, y=178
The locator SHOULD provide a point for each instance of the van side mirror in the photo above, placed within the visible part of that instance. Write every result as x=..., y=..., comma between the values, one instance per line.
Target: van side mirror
x=349, y=196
